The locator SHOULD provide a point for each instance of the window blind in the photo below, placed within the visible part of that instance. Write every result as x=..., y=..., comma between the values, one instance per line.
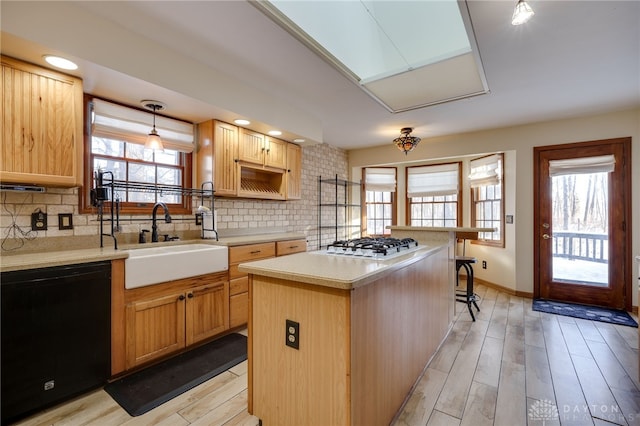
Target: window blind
x=426, y=181
x=118, y=122
x=485, y=171
x=380, y=179
x=574, y=166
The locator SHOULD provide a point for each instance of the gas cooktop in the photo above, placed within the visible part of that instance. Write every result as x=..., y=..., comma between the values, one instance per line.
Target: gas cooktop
x=376, y=248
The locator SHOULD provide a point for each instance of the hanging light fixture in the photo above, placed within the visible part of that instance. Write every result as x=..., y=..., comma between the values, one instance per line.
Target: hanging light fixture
x=406, y=142
x=153, y=139
x=522, y=13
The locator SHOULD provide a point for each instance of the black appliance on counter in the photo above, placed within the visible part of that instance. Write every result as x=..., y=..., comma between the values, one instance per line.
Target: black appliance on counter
x=55, y=335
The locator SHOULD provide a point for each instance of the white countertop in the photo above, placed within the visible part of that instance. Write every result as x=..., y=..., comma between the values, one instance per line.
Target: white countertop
x=336, y=271
x=18, y=262
x=22, y=261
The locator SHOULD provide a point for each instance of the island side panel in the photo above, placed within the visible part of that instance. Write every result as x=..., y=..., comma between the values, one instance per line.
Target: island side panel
x=398, y=323
x=309, y=386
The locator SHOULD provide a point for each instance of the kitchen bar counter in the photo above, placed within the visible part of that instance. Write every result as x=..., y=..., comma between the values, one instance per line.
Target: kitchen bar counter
x=335, y=271
x=360, y=333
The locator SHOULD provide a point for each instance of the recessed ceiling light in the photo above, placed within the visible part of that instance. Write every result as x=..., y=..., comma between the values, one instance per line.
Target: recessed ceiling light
x=275, y=132
x=59, y=62
x=299, y=140
x=242, y=122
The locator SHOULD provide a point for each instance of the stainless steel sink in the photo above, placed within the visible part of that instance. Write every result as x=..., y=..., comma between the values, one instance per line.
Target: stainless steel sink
x=155, y=265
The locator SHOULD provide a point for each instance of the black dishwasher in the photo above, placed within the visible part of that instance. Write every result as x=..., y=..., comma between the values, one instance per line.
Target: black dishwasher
x=55, y=335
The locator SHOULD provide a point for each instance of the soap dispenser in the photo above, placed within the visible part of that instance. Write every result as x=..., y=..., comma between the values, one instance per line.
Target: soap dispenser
x=142, y=238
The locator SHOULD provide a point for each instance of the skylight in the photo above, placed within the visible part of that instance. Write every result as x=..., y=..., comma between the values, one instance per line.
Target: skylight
x=406, y=54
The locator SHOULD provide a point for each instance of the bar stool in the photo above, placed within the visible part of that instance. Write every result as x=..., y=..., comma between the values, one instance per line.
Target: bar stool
x=466, y=296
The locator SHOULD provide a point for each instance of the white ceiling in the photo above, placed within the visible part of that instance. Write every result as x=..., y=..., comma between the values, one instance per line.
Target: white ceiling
x=224, y=59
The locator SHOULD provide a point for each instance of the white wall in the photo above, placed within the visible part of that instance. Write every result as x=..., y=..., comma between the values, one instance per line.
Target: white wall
x=512, y=267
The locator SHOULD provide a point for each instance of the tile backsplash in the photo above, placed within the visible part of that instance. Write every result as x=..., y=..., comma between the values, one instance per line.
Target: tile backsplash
x=234, y=216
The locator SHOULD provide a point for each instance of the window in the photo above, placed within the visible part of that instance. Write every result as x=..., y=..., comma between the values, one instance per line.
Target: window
x=432, y=195
x=380, y=204
x=116, y=146
x=487, y=195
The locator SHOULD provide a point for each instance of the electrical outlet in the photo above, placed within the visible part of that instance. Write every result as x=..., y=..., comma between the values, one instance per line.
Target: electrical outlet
x=484, y=264
x=38, y=221
x=292, y=334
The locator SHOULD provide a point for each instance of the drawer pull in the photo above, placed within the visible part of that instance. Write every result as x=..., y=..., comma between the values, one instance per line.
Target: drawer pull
x=292, y=247
x=255, y=252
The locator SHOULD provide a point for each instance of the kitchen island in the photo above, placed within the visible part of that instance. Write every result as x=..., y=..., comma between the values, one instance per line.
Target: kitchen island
x=364, y=330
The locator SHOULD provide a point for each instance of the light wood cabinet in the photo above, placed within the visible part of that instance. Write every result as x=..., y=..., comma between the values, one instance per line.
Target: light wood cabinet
x=262, y=150
x=166, y=318
x=251, y=147
x=244, y=163
x=42, y=118
x=294, y=172
x=284, y=248
x=275, y=153
x=217, y=156
x=207, y=312
x=238, y=281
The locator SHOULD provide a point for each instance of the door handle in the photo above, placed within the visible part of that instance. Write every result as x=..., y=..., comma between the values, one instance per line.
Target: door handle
x=546, y=236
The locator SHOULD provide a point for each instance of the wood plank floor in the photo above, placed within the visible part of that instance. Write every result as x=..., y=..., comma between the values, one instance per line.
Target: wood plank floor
x=511, y=367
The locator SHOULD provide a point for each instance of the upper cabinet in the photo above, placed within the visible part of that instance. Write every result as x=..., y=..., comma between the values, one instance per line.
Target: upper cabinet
x=294, y=172
x=218, y=141
x=244, y=163
x=262, y=150
x=42, y=120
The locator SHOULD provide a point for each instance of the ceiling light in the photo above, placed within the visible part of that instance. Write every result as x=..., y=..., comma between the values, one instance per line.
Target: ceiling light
x=275, y=132
x=522, y=13
x=242, y=122
x=59, y=62
x=406, y=142
x=153, y=139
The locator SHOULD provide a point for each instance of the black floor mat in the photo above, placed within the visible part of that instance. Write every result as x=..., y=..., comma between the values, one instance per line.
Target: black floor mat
x=149, y=388
x=592, y=313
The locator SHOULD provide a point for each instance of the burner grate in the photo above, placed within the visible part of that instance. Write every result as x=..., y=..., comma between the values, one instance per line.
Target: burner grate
x=371, y=247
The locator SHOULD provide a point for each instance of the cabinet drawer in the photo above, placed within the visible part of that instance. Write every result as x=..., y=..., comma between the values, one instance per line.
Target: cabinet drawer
x=290, y=247
x=234, y=273
x=240, y=254
x=238, y=310
x=239, y=285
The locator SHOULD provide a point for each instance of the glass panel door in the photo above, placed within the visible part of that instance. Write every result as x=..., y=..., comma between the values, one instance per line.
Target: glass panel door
x=580, y=229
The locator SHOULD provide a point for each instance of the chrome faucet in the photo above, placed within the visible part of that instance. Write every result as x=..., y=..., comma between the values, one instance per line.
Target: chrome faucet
x=154, y=226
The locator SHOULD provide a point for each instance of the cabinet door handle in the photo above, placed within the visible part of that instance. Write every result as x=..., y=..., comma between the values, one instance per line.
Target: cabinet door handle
x=190, y=295
x=181, y=297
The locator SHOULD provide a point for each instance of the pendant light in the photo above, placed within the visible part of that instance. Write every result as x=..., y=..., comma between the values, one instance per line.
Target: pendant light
x=406, y=142
x=522, y=13
x=153, y=139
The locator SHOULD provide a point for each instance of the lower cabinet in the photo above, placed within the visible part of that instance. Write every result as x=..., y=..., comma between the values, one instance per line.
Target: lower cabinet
x=239, y=281
x=238, y=301
x=166, y=318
